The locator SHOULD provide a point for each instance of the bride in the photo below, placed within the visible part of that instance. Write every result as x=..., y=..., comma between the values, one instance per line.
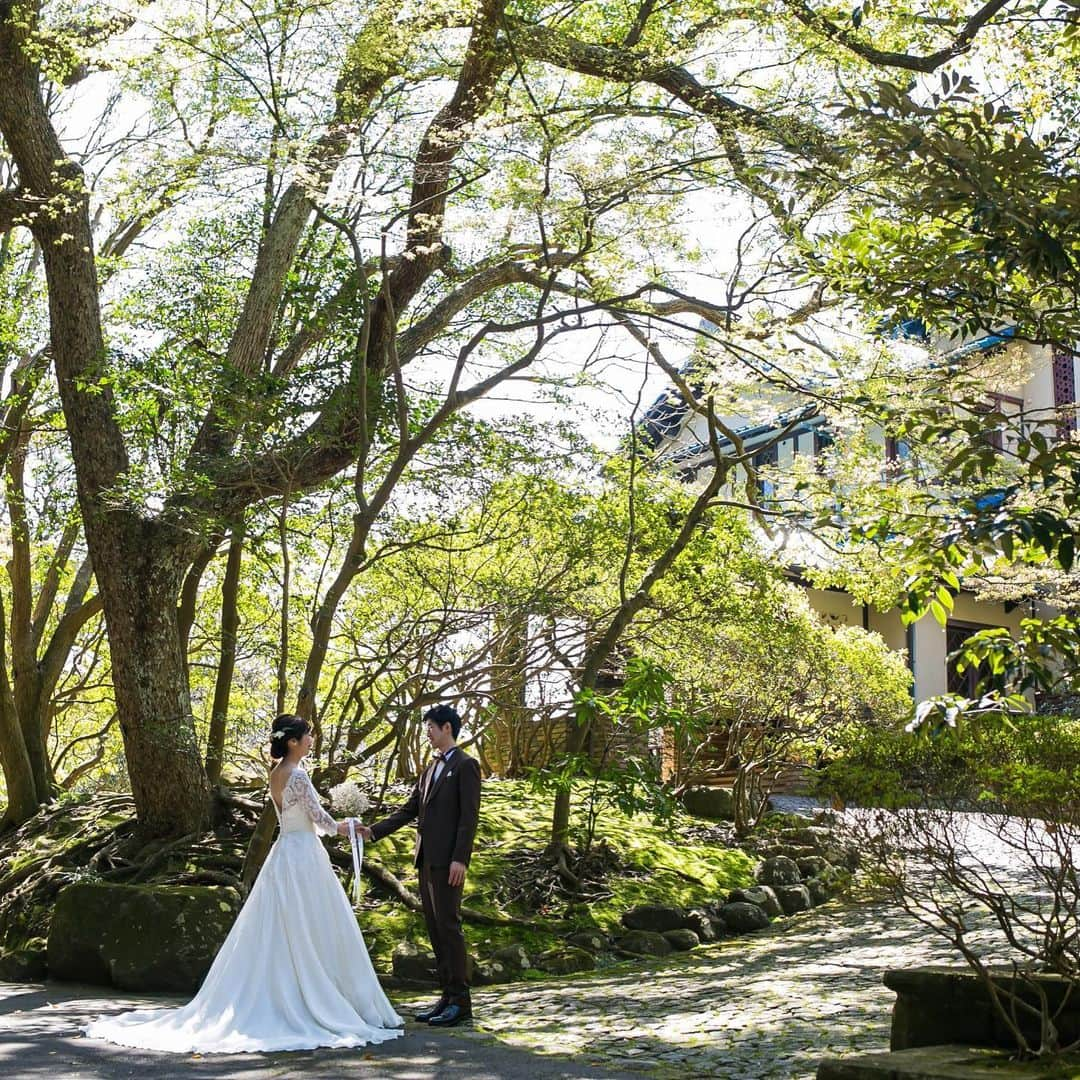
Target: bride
x=294, y=973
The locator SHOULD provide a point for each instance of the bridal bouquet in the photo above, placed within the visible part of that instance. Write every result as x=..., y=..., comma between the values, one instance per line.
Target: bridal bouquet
x=348, y=800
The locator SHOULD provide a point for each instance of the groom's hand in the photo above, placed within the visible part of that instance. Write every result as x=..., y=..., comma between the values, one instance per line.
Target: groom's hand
x=364, y=831
x=457, y=874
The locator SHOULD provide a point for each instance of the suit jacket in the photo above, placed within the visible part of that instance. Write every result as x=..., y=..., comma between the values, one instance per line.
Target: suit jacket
x=446, y=819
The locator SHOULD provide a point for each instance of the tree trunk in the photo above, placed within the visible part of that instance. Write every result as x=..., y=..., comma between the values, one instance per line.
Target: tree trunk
x=230, y=623
x=600, y=651
x=139, y=561
x=18, y=775
x=26, y=682
x=140, y=587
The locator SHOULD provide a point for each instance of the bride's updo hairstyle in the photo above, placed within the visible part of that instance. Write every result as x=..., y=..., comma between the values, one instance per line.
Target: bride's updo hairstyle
x=286, y=727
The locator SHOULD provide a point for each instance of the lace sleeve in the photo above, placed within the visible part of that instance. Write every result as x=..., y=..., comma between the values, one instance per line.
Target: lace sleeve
x=302, y=791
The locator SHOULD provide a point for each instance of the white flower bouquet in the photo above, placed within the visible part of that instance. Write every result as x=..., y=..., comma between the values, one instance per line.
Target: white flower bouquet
x=348, y=800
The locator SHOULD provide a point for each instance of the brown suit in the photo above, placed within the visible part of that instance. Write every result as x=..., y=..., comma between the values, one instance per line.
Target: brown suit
x=446, y=811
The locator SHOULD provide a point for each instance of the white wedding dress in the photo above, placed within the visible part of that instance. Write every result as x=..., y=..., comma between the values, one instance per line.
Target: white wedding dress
x=293, y=974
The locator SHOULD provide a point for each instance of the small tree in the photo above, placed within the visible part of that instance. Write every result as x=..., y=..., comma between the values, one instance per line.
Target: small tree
x=941, y=861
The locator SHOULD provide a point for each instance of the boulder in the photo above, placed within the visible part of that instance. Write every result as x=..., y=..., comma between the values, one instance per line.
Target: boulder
x=791, y=851
x=814, y=836
x=779, y=870
x=763, y=895
x=819, y=891
x=514, y=958
x=813, y=866
x=682, y=940
x=701, y=924
x=591, y=940
x=565, y=961
x=710, y=802
x=24, y=965
x=490, y=972
x=139, y=937
x=412, y=963
x=644, y=943
x=653, y=917
x=794, y=898
x=743, y=917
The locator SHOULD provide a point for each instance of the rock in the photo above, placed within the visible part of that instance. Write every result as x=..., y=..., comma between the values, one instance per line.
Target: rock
x=653, y=917
x=565, y=961
x=592, y=940
x=763, y=895
x=710, y=802
x=24, y=965
x=812, y=836
x=794, y=898
x=413, y=963
x=819, y=891
x=779, y=870
x=513, y=957
x=813, y=866
x=701, y=924
x=139, y=937
x=490, y=972
x=682, y=940
x=644, y=943
x=720, y=928
x=790, y=851
x=743, y=917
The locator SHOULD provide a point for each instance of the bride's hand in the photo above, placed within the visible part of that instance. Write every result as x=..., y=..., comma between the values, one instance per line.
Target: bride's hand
x=343, y=827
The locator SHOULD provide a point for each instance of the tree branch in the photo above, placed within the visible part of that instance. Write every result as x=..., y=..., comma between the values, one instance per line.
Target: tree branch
x=885, y=58
x=623, y=66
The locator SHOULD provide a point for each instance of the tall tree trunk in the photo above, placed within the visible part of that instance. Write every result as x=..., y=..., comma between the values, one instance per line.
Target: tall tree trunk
x=230, y=624
x=18, y=775
x=26, y=687
x=140, y=589
x=139, y=561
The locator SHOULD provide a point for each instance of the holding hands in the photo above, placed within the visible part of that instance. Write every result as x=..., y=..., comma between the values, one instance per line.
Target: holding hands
x=361, y=830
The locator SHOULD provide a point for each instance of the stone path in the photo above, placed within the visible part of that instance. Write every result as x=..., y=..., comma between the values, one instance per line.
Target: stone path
x=765, y=1006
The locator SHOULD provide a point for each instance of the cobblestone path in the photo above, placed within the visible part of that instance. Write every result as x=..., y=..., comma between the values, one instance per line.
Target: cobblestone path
x=749, y=1008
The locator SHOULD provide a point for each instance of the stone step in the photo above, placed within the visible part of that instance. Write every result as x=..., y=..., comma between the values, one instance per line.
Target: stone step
x=946, y=1063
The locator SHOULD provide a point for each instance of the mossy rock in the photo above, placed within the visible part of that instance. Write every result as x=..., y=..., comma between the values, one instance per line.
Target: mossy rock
x=514, y=958
x=591, y=940
x=682, y=940
x=27, y=965
x=139, y=937
x=762, y=895
x=644, y=943
x=565, y=961
x=717, y=803
x=413, y=964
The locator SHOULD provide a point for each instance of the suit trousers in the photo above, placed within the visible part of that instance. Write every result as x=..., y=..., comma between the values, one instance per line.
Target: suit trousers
x=442, y=913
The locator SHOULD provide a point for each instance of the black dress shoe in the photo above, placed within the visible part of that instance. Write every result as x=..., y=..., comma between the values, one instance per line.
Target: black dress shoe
x=451, y=1015
x=427, y=1014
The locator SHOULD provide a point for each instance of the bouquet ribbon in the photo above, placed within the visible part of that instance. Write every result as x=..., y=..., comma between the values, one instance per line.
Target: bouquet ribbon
x=356, y=843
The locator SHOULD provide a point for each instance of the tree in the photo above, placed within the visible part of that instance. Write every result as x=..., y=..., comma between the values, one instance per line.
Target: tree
x=341, y=274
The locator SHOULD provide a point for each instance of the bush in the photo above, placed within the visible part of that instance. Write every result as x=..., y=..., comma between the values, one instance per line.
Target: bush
x=943, y=864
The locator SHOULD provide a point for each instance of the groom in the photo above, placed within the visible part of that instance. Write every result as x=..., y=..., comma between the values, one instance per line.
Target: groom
x=446, y=806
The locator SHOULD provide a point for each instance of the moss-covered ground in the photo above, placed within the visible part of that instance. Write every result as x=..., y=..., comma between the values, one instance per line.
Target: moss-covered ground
x=634, y=860
x=647, y=863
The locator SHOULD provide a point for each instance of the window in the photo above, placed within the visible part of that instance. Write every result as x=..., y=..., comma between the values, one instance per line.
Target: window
x=1065, y=390
x=764, y=459
x=961, y=682
x=1006, y=405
